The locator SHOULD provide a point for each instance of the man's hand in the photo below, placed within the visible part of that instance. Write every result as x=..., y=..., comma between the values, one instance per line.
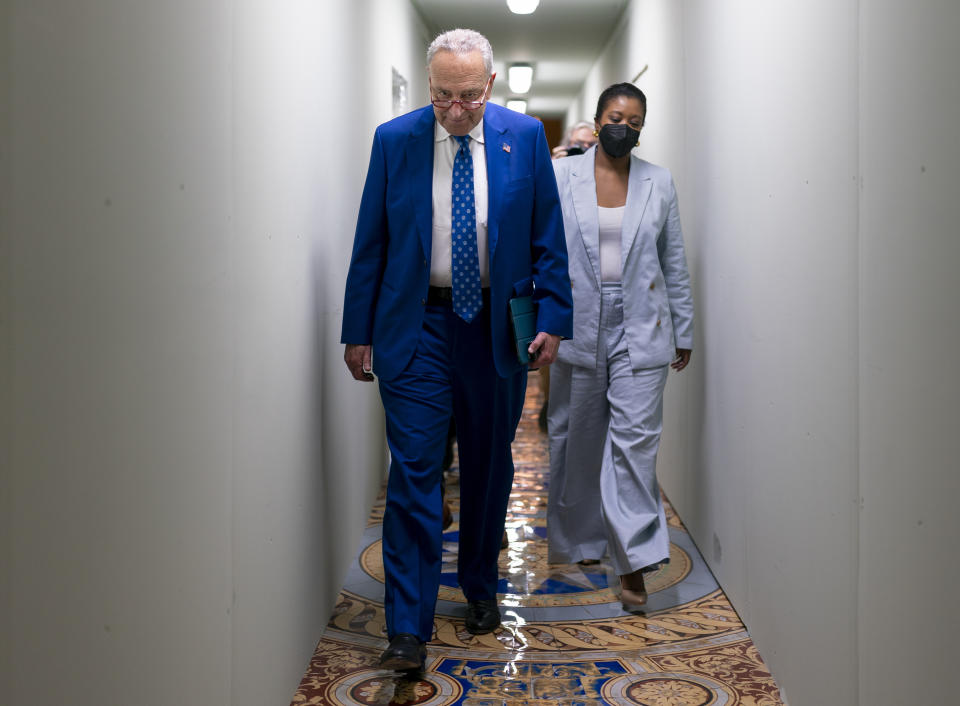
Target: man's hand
x=359, y=360
x=682, y=359
x=543, y=350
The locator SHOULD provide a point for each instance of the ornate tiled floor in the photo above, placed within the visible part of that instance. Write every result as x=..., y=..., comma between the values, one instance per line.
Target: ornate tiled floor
x=564, y=639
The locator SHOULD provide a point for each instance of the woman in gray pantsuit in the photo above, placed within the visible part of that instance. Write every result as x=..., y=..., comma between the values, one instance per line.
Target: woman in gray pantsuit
x=633, y=317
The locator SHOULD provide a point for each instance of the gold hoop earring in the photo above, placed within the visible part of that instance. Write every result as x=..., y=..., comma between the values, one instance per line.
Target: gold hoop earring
x=596, y=134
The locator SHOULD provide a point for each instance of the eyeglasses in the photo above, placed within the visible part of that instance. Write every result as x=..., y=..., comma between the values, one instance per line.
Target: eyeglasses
x=444, y=104
x=466, y=105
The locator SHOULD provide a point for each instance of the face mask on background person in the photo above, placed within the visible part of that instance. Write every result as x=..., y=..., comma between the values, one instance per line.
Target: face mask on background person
x=617, y=139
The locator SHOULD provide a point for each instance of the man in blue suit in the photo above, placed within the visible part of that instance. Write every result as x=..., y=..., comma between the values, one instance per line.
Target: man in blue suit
x=459, y=214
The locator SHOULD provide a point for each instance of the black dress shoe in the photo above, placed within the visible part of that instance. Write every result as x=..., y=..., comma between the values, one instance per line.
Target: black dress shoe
x=405, y=654
x=482, y=616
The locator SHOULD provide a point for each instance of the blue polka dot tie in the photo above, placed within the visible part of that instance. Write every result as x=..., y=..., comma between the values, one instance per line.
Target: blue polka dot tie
x=465, y=262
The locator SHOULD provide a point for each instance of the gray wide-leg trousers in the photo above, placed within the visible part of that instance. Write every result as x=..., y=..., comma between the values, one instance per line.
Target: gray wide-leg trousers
x=604, y=425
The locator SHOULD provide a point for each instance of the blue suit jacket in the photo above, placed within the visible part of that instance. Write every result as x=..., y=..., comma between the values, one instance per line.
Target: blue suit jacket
x=389, y=272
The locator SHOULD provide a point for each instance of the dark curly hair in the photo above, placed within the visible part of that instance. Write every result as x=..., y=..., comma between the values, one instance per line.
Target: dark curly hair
x=628, y=90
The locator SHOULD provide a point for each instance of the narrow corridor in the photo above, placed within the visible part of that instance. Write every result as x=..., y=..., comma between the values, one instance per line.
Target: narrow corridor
x=564, y=637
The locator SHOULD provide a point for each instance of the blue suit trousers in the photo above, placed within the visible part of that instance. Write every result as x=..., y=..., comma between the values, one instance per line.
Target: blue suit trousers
x=451, y=373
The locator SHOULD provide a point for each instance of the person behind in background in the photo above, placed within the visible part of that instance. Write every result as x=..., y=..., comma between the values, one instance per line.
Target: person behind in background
x=633, y=318
x=459, y=214
x=579, y=139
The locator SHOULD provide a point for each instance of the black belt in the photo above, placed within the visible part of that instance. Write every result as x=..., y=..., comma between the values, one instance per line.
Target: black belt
x=443, y=296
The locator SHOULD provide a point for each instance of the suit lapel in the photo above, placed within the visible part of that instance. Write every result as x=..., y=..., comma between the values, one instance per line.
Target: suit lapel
x=498, y=146
x=584, y=188
x=419, y=160
x=639, y=187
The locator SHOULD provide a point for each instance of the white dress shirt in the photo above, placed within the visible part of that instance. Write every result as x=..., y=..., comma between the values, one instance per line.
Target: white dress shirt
x=445, y=148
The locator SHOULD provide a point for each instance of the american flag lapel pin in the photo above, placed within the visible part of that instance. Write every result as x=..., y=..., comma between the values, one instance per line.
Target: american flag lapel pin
x=506, y=148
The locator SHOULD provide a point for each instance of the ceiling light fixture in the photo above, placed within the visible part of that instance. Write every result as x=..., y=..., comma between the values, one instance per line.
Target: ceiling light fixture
x=522, y=7
x=519, y=106
x=520, y=77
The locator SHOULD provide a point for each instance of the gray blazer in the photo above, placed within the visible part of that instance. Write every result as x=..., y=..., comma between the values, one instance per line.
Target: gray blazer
x=657, y=301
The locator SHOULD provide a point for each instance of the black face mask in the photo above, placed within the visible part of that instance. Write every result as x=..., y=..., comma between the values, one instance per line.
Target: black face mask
x=618, y=139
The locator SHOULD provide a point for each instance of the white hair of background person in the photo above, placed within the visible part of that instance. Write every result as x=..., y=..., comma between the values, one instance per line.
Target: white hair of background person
x=573, y=128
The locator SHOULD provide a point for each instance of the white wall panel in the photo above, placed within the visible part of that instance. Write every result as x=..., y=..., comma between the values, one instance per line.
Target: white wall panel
x=282, y=124
x=187, y=466
x=909, y=331
x=772, y=158
x=120, y=319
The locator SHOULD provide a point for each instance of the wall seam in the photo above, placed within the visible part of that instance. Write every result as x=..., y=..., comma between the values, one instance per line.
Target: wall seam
x=857, y=450
x=7, y=337
x=230, y=227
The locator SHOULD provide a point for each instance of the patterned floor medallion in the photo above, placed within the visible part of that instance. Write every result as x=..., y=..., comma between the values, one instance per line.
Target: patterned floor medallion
x=673, y=689
x=523, y=585
x=565, y=639
x=372, y=688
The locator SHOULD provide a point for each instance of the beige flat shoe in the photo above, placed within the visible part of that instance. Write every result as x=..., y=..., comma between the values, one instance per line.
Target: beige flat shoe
x=633, y=592
x=632, y=600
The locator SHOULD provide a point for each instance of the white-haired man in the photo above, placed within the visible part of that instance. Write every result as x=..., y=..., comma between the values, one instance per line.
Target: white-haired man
x=578, y=139
x=459, y=214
